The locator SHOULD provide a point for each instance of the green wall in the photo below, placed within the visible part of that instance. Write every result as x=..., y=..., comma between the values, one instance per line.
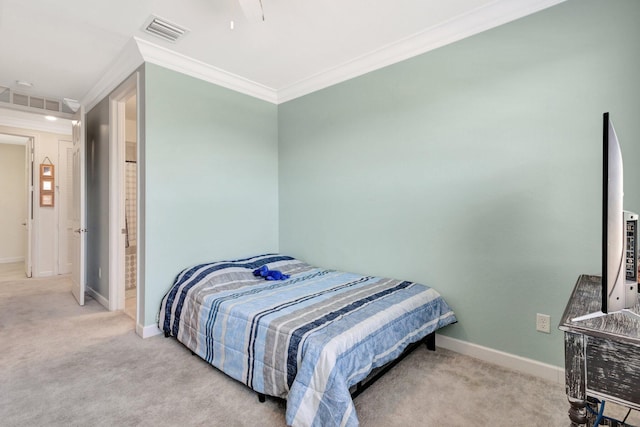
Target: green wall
x=211, y=177
x=474, y=168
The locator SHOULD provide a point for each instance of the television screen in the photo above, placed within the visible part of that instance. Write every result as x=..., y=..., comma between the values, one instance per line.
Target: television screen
x=618, y=230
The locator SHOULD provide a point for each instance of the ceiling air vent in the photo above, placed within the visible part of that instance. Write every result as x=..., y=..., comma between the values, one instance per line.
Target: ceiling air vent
x=162, y=28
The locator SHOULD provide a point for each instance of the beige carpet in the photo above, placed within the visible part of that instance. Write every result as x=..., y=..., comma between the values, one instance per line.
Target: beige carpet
x=66, y=365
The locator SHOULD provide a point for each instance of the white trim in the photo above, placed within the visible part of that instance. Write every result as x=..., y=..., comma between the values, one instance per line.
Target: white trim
x=11, y=260
x=148, y=331
x=507, y=360
x=32, y=122
x=96, y=296
x=122, y=67
x=192, y=67
x=30, y=255
x=45, y=273
x=463, y=26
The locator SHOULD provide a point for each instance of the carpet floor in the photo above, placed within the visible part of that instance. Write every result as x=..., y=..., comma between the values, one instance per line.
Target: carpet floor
x=66, y=365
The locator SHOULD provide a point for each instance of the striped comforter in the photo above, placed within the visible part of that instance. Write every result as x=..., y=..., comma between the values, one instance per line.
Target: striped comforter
x=306, y=339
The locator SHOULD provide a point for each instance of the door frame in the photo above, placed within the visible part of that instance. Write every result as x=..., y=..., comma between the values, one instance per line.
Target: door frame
x=29, y=158
x=28, y=192
x=117, y=253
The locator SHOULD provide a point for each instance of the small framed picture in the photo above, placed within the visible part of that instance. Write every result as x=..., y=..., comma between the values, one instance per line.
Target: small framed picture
x=47, y=185
x=47, y=180
x=46, y=170
x=46, y=199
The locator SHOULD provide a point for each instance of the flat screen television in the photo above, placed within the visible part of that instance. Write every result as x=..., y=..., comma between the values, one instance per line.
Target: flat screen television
x=619, y=230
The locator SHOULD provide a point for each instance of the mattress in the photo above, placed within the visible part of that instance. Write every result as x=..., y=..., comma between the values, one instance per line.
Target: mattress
x=307, y=338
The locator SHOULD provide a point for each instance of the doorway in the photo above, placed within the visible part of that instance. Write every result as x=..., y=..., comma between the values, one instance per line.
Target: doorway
x=17, y=214
x=124, y=283
x=130, y=207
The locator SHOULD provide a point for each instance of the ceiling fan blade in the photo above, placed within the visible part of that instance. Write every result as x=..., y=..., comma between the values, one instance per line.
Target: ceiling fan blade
x=252, y=9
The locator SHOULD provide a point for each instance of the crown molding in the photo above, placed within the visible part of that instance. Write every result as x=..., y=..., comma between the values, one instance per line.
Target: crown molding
x=137, y=51
x=466, y=25
x=183, y=64
x=122, y=67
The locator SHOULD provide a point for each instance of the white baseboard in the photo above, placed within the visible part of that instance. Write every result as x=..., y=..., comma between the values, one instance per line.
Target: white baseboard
x=501, y=358
x=148, y=331
x=10, y=260
x=96, y=296
x=46, y=273
x=507, y=360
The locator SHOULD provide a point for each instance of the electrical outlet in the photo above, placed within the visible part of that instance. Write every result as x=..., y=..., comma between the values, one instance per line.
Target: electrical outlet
x=543, y=323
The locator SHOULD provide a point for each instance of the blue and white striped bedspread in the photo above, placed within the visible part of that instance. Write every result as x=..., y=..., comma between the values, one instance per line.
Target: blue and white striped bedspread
x=306, y=339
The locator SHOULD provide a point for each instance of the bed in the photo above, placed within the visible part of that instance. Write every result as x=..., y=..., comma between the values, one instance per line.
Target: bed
x=307, y=338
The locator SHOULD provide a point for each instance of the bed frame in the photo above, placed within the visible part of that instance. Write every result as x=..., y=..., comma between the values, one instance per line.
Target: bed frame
x=376, y=374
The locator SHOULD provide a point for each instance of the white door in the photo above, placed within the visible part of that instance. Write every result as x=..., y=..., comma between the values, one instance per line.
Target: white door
x=77, y=210
x=28, y=222
x=64, y=196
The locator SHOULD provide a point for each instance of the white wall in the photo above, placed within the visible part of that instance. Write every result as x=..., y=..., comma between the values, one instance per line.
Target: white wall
x=45, y=234
x=130, y=130
x=12, y=203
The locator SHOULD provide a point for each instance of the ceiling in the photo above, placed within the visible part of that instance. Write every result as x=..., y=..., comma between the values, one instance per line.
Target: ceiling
x=64, y=47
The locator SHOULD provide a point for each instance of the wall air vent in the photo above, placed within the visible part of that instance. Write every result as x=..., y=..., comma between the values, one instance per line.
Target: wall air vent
x=51, y=105
x=164, y=29
x=38, y=104
x=20, y=99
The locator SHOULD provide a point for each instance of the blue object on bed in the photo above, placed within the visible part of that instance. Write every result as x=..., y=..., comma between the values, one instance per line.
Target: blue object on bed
x=269, y=274
x=306, y=339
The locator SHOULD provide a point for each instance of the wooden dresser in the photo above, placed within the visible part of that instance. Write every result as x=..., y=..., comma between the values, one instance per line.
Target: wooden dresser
x=602, y=354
